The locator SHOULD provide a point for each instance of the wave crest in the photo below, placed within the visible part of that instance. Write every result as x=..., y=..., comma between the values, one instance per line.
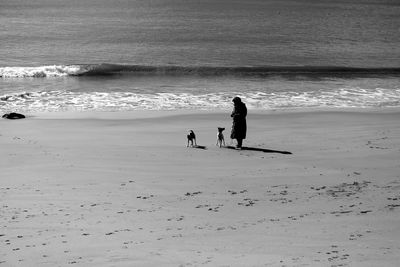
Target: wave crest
x=116, y=101
x=40, y=72
x=113, y=69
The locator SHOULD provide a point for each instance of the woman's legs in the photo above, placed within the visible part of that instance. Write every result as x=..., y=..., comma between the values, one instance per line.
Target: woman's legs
x=239, y=143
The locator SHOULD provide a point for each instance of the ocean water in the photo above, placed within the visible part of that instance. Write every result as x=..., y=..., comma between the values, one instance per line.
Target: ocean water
x=58, y=55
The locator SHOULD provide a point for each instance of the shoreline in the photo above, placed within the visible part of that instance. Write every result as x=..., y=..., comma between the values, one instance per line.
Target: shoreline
x=167, y=113
x=122, y=189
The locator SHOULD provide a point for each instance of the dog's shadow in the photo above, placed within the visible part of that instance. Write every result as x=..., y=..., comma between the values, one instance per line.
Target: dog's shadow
x=200, y=147
x=261, y=150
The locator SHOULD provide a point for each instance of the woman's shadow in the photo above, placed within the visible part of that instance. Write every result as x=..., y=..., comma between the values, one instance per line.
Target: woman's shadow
x=261, y=150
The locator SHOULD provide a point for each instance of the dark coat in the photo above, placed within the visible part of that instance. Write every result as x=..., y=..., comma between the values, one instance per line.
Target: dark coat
x=239, y=126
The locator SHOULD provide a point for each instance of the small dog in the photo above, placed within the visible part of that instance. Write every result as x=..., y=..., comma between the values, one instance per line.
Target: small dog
x=191, y=138
x=220, y=137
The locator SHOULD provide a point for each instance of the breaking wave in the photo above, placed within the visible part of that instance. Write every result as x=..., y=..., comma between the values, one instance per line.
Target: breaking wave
x=113, y=69
x=40, y=72
x=116, y=101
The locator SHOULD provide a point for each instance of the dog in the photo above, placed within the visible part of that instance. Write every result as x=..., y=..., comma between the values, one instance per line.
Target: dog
x=191, y=138
x=220, y=137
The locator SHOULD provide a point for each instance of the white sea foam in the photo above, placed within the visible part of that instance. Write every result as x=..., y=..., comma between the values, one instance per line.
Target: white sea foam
x=38, y=72
x=65, y=100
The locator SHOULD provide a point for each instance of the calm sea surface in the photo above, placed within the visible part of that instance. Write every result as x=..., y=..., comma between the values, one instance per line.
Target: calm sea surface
x=197, y=54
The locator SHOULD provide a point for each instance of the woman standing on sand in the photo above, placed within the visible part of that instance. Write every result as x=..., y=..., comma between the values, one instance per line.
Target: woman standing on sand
x=239, y=126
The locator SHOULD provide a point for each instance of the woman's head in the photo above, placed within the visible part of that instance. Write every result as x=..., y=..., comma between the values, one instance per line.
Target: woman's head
x=236, y=100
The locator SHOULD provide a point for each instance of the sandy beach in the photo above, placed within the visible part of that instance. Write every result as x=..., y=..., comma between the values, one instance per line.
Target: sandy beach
x=122, y=189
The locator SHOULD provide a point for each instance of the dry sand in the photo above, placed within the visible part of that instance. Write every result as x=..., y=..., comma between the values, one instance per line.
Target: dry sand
x=122, y=189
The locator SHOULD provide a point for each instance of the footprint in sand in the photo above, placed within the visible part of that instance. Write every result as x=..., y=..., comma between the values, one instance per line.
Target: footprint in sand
x=347, y=189
x=215, y=209
x=234, y=192
x=248, y=202
x=391, y=207
x=340, y=212
x=193, y=194
x=178, y=219
x=202, y=206
x=365, y=211
x=336, y=255
x=145, y=197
